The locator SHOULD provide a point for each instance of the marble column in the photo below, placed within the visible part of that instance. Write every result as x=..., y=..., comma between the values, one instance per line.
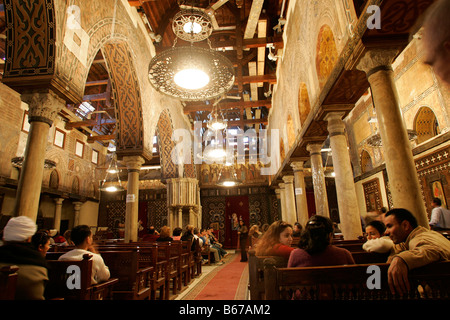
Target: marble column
x=278, y=194
x=180, y=219
x=403, y=180
x=291, y=211
x=349, y=214
x=282, y=201
x=76, y=213
x=43, y=109
x=318, y=177
x=58, y=209
x=300, y=192
x=133, y=164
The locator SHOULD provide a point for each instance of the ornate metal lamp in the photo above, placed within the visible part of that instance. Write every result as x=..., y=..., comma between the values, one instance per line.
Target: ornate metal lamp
x=111, y=182
x=191, y=73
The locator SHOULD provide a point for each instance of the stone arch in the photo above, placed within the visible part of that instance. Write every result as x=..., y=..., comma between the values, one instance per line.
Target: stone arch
x=366, y=161
x=326, y=54
x=304, y=106
x=164, y=131
x=425, y=124
x=127, y=99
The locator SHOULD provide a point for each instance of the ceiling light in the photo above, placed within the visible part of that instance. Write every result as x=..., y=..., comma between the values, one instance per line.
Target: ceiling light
x=191, y=79
x=192, y=25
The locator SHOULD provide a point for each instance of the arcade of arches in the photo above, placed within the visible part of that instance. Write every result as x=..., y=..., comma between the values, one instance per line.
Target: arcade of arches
x=323, y=105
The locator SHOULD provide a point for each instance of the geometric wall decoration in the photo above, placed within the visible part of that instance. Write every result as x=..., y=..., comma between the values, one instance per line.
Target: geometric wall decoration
x=372, y=195
x=327, y=55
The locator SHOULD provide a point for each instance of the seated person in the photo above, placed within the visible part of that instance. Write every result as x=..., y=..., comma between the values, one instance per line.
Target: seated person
x=254, y=235
x=315, y=248
x=41, y=242
x=151, y=235
x=82, y=238
x=276, y=241
x=176, y=234
x=215, y=243
x=18, y=250
x=376, y=242
x=297, y=230
x=415, y=246
x=165, y=234
x=203, y=235
x=188, y=235
x=440, y=217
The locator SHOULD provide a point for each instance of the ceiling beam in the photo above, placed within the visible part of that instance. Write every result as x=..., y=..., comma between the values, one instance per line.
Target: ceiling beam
x=241, y=123
x=270, y=78
x=89, y=123
x=228, y=105
x=101, y=138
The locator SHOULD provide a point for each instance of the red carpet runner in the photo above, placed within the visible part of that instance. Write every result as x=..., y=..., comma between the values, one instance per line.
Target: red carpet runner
x=227, y=282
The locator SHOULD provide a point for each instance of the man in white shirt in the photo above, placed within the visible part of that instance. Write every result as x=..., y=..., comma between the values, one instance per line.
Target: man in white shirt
x=82, y=238
x=440, y=217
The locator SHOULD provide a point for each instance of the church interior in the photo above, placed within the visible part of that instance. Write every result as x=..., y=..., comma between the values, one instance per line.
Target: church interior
x=323, y=108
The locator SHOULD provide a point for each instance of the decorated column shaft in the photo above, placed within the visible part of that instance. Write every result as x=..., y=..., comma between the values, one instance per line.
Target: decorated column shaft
x=318, y=177
x=300, y=192
x=403, y=180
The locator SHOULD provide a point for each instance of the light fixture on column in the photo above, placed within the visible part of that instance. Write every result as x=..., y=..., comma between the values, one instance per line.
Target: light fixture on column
x=375, y=139
x=111, y=182
x=17, y=162
x=191, y=73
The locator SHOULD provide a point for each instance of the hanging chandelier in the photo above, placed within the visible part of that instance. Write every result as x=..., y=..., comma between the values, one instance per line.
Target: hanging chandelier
x=228, y=177
x=191, y=73
x=111, y=182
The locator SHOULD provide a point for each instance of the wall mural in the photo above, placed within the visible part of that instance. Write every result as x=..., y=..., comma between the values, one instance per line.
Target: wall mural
x=250, y=174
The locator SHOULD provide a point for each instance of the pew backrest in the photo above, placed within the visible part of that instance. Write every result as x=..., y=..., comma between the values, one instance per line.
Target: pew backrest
x=352, y=282
x=8, y=282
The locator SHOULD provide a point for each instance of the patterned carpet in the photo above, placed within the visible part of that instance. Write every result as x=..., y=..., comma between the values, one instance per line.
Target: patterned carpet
x=226, y=282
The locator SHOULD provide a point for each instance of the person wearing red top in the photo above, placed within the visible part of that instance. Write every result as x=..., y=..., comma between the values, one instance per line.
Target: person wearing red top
x=276, y=241
x=315, y=248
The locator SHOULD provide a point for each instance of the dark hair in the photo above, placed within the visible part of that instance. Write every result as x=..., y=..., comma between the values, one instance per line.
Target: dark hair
x=401, y=215
x=79, y=234
x=40, y=238
x=316, y=236
x=377, y=225
x=151, y=230
x=383, y=210
x=177, y=231
x=437, y=201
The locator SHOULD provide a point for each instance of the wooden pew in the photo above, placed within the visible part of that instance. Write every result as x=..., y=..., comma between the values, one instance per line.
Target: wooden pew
x=186, y=250
x=58, y=275
x=363, y=257
x=8, y=282
x=198, y=257
x=165, y=254
x=256, y=273
x=134, y=281
x=148, y=257
x=350, y=282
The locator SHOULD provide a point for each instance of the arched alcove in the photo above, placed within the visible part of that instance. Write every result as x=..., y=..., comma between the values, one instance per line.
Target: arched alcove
x=425, y=124
x=366, y=162
x=54, y=180
x=304, y=106
x=327, y=55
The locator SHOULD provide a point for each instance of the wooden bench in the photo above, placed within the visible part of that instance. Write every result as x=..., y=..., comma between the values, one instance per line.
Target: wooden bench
x=165, y=254
x=134, y=281
x=8, y=282
x=148, y=257
x=350, y=282
x=57, y=286
x=363, y=257
x=256, y=273
x=186, y=250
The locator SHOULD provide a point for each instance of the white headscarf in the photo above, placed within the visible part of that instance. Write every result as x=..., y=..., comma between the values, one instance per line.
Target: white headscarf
x=19, y=229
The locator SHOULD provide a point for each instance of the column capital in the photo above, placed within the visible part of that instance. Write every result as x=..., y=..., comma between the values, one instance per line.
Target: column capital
x=288, y=179
x=281, y=186
x=336, y=125
x=297, y=166
x=374, y=60
x=77, y=205
x=133, y=162
x=314, y=148
x=43, y=106
x=58, y=201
